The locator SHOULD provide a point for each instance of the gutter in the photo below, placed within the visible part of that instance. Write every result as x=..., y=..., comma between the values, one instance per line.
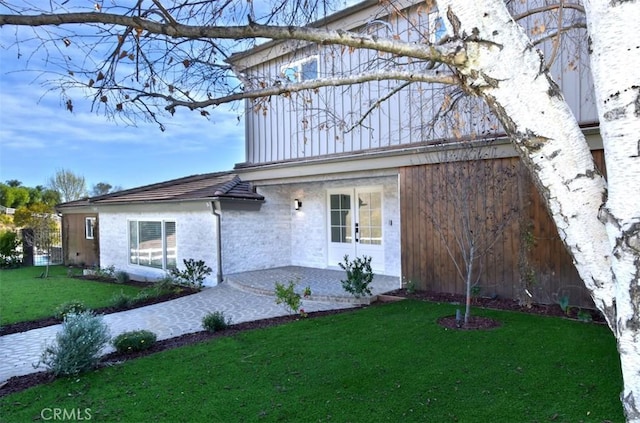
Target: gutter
x=215, y=208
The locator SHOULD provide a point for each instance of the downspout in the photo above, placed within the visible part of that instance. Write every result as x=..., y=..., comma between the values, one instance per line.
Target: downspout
x=215, y=208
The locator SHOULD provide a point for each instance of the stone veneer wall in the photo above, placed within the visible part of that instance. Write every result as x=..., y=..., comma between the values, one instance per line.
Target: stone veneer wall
x=253, y=240
x=278, y=235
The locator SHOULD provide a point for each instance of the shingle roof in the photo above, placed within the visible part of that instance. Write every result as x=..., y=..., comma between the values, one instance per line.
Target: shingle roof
x=208, y=186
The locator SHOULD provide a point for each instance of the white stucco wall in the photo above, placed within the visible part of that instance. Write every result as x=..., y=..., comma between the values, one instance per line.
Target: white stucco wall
x=195, y=236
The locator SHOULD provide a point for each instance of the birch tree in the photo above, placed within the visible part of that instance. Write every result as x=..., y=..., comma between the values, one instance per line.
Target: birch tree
x=158, y=57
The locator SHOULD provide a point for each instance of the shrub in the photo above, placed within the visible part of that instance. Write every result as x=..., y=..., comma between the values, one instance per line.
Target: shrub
x=122, y=276
x=288, y=296
x=108, y=272
x=77, y=346
x=215, y=321
x=137, y=340
x=193, y=275
x=143, y=295
x=70, y=307
x=166, y=285
x=9, y=255
x=122, y=300
x=359, y=276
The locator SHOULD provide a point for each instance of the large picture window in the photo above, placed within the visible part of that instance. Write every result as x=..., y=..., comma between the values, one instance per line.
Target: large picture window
x=152, y=243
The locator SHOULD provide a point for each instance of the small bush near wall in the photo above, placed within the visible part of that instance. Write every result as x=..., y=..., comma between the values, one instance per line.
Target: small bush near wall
x=132, y=341
x=77, y=346
x=9, y=255
x=122, y=276
x=193, y=275
x=359, y=276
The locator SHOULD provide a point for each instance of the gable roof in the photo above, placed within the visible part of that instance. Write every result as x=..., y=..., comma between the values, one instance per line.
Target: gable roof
x=210, y=186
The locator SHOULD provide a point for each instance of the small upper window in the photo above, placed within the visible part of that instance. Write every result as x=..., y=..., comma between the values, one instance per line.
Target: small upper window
x=302, y=70
x=89, y=227
x=438, y=29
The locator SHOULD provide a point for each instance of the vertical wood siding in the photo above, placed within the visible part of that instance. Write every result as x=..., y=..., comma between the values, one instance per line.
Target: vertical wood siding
x=76, y=248
x=425, y=260
x=341, y=120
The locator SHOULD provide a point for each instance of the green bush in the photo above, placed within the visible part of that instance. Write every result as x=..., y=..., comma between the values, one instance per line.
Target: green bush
x=288, y=296
x=215, y=321
x=9, y=255
x=107, y=273
x=122, y=300
x=70, y=307
x=77, y=346
x=144, y=295
x=359, y=276
x=166, y=285
x=137, y=340
x=193, y=275
x=122, y=276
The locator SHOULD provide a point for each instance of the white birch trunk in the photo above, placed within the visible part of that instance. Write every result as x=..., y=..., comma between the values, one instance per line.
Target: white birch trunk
x=501, y=62
x=615, y=62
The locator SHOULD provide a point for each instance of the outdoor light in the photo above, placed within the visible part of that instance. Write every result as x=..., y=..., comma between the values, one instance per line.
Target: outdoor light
x=297, y=204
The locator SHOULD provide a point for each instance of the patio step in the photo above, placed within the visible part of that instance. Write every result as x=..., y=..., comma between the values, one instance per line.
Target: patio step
x=349, y=299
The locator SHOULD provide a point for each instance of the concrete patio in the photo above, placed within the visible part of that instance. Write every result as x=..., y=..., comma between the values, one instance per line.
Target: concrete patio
x=325, y=284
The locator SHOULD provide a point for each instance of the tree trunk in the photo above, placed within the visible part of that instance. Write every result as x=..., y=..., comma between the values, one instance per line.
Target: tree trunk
x=500, y=62
x=467, y=310
x=615, y=61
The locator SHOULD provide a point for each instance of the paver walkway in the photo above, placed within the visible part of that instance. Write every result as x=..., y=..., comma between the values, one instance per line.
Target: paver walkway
x=20, y=352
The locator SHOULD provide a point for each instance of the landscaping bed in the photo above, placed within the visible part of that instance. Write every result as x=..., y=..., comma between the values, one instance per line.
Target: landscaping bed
x=20, y=383
x=49, y=321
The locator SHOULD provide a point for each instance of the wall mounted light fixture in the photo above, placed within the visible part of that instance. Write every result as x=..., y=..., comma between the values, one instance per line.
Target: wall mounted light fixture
x=297, y=204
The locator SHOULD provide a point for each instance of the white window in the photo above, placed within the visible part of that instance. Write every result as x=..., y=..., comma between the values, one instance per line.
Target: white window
x=152, y=243
x=438, y=30
x=89, y=227
x=301, y=70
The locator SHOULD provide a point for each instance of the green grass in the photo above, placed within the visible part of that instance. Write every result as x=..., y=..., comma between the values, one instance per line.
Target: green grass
x=25, y=296
x=388, y=363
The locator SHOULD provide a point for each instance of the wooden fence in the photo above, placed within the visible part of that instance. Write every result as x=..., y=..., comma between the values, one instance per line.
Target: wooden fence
x=527, y=261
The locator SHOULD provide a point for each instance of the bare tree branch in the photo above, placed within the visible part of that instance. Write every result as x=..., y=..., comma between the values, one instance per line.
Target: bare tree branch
x=451, y=53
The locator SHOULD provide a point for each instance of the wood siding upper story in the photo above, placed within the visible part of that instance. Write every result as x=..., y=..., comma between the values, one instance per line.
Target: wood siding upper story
x=330, y=121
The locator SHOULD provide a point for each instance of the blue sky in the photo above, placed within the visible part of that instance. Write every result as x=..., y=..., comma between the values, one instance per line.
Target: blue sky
x=38, y=135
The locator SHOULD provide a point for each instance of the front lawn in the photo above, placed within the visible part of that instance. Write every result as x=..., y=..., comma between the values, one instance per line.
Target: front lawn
x=390, y=362
x=24, y=296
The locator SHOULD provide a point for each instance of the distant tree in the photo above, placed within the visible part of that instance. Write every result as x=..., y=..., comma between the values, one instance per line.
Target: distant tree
x=102, y=188
x=13, y=195
x=14, y=183
x=51, y=197
x=69, y=185
x=41, y=194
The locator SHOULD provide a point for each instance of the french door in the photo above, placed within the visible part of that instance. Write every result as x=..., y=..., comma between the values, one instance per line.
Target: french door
x=355, y=225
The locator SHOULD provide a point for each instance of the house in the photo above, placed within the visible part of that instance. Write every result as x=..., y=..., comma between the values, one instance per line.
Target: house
x=335, y=172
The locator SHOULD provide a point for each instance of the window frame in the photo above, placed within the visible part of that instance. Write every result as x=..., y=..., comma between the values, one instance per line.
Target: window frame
x=89, y=227
x=298, y=66
x=134, y=250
